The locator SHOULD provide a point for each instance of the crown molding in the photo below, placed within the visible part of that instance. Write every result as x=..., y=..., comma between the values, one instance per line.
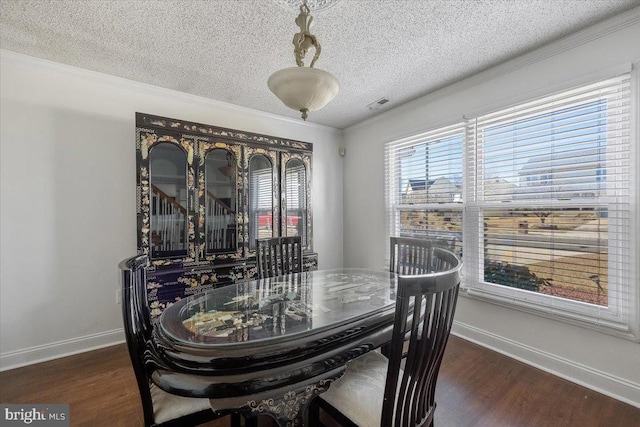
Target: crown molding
x=13, y=58
x=542, y=53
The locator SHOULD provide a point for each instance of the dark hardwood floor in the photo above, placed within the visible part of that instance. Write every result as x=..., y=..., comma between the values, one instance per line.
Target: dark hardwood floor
x=476, y=387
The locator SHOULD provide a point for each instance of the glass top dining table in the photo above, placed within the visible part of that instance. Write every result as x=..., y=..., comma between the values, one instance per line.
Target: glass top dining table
x=281, y=308
x=288, y=336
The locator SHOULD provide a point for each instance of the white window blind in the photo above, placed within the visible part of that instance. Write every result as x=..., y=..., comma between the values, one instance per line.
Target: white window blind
x=260, y=199
x=424, y=186
x=547, y=199
x=550, y=214
x=296, y=197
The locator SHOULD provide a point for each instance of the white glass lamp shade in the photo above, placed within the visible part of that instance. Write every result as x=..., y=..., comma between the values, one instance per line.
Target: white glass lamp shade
x=303, y=88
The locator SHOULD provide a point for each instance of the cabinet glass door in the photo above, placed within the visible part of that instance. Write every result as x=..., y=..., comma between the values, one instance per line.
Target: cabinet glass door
x=295, y=187
x=220, y=201
x=168, y=201
x=261, y=222
x=204, y=195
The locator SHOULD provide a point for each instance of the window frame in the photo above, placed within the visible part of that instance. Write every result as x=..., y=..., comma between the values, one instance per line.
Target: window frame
x=619, y=318
x=393, y=186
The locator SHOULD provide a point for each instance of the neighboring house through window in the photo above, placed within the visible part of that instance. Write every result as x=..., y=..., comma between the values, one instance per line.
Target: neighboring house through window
x=424, y=186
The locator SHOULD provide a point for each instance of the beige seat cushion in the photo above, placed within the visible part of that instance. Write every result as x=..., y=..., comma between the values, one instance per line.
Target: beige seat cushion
x=359, y=393
x=168, y=406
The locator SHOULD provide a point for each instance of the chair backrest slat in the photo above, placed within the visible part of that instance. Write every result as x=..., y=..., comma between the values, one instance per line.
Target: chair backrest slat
x=278, y=256
x=428, y=283
x=410, y=255
x=137, y=325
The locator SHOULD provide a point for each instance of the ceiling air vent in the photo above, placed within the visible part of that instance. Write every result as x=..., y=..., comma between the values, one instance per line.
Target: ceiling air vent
x=376, y=105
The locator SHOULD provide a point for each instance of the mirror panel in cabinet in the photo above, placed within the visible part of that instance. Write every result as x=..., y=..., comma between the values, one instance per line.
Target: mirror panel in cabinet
x=295, y=183
x=220, y=201
x=168, y=201
x=260, y=199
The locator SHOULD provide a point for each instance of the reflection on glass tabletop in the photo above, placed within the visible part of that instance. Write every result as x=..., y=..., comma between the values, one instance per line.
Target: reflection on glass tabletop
x=283, y=306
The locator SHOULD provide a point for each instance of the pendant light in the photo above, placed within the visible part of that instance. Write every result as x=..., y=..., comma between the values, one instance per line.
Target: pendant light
x=304, y=88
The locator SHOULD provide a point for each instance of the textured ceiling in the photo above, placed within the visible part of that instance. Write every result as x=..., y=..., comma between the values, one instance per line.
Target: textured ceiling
x=227, y=49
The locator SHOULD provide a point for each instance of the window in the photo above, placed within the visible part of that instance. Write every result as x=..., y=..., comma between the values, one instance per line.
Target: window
x=260, y=199
x=424, y=188
x=546, y=201
x=295, y=185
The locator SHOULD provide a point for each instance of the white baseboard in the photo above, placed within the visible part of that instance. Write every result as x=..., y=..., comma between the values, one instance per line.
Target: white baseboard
x=43, y=353
x=602, y=382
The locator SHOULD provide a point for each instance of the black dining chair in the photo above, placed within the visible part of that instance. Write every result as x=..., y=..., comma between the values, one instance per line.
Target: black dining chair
x=411, y=255
x=278, y=255
x=159, y=407
x=377, y=391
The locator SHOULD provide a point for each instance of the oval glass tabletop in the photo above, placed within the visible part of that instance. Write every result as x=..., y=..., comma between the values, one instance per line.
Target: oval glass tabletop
x=280, y=308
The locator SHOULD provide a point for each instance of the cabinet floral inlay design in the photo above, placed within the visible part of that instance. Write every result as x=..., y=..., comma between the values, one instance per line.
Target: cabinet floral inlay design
x=198, y=198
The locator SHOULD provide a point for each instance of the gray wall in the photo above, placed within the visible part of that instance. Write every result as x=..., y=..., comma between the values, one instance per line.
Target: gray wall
x=68, y=198
x=597, y=360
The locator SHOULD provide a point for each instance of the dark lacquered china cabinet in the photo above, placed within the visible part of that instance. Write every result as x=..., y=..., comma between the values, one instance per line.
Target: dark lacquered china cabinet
x=205, y=194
